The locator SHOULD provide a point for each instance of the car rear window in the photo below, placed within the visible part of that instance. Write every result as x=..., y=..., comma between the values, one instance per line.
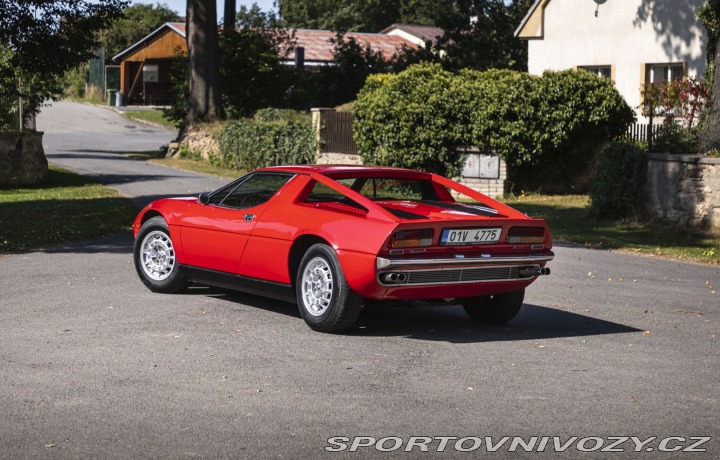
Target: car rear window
x=389, y=188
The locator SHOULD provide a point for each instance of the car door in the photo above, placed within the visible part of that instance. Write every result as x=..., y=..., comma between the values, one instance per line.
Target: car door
x=214, y=234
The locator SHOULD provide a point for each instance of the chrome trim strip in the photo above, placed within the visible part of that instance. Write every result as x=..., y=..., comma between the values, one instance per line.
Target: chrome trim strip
x=382, y=263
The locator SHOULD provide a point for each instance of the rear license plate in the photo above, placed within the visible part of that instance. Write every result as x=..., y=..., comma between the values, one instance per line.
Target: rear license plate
x=463, y=236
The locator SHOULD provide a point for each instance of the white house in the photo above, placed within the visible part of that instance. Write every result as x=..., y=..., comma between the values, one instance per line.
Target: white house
x=633, y=42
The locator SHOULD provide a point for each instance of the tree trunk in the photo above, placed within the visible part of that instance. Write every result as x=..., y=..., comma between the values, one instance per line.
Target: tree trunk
x=710, y=135
x=205, y=98
x=229, y=17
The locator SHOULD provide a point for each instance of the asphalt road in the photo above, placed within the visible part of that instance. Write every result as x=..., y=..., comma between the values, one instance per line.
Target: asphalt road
x=93, y=365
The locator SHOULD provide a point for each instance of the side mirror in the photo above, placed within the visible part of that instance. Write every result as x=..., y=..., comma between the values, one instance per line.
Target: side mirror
x=204, y=198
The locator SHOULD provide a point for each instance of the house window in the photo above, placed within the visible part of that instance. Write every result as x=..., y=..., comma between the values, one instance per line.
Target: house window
x=599, y=70
x=663, y=73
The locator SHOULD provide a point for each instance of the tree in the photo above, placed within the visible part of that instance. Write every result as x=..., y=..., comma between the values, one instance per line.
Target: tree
x=251, y=59
x=136, y=22
x=710, y=16
x=43, y=39
x=340, y=15
x=204, y=92
x=479, y=34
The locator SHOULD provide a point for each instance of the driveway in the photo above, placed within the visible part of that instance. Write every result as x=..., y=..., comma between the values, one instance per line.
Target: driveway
x=93, y=365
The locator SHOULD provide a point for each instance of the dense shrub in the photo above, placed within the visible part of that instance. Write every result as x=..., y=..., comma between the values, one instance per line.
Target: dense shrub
x=547, y=129
x=616, y=187
x=412, y=119
x=579, y=112
x=271, y=138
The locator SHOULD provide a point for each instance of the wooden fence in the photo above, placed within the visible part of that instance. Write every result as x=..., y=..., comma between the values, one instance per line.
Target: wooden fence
x=337, y=133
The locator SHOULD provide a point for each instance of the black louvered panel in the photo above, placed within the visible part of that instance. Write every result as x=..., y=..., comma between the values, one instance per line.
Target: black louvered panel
x=488, y=274
x=434, y=276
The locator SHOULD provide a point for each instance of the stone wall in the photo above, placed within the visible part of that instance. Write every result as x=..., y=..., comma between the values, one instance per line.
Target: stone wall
x=684, y=190
x=198, y=140
x=22, y=159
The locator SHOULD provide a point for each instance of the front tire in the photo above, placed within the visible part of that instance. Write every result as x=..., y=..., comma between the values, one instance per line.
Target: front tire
x=155, y=260
x=326, y=301
x=494, y=309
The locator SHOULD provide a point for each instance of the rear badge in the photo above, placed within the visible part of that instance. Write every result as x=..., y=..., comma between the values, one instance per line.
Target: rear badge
x=459, y=256
x=486, y=256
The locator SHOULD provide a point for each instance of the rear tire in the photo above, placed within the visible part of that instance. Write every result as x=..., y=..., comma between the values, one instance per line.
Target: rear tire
x=494, y=309
x=155, y=261
x=325, y=300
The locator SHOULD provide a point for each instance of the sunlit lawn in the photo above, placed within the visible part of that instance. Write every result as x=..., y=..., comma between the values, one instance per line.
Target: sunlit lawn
x=66, y=207
x=569, y=221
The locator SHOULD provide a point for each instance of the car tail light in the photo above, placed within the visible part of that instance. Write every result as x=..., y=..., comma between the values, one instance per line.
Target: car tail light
x=412, y=238
x=526, y=235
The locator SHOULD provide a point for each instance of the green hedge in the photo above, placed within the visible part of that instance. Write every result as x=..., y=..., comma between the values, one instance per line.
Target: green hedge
x=272, y=137
x=619, y=175
x=547, y=129
x=411, y=120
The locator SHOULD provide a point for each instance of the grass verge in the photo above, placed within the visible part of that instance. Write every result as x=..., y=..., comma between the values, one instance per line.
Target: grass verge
x=65, y=207
x=150, y=116
x=185, y=164
x=569, y=221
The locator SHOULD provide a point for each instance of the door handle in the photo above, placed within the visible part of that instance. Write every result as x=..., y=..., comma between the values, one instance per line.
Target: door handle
x=249, y=217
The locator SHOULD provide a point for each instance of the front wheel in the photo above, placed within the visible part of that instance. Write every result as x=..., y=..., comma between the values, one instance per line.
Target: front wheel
x=155, y=260
x=326, y=301
x=494, y=309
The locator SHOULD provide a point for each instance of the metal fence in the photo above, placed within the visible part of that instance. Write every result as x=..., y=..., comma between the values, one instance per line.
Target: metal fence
x=15, y=114
x=640, y=132
x=338, y=133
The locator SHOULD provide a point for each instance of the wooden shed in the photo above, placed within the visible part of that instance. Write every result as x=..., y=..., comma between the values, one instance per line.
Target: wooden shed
x=146, y=66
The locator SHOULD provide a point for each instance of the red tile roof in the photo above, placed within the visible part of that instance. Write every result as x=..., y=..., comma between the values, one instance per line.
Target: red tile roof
x=317, y=43
x=319, y=47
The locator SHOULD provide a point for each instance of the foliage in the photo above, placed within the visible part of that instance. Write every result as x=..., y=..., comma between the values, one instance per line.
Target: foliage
x=616, y=188
x=43, y=39
x=136, y=22
x=576, y=112
x=412, y=119
x=547, y=128
x=270, y=138
x=179, y=89
x=681, y=103
x=250, y=63
x=340, y=15
x=709, y=14
x=339, y=83
x=478, y=34
x=486, y=40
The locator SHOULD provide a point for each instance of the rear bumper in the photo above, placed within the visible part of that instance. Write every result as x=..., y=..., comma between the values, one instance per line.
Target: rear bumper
x=459, y=276
x=388, y=264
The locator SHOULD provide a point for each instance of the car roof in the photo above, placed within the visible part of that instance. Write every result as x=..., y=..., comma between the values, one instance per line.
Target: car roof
x=349, y=170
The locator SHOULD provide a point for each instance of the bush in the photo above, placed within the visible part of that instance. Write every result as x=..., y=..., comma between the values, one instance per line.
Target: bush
x=617, y=185
x=269, y=139
x=412, y=119
x=547, y=129
x=576, y=113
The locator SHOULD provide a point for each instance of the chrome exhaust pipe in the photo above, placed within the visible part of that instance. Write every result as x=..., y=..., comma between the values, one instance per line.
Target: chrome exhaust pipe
x=394, y=278
x=528, y=272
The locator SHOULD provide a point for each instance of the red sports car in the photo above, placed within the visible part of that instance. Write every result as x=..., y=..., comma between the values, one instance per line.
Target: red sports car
x=335, y=238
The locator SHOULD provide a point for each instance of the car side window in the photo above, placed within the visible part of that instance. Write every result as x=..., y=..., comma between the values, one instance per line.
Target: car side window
x=321, y=193
x=256, y=189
